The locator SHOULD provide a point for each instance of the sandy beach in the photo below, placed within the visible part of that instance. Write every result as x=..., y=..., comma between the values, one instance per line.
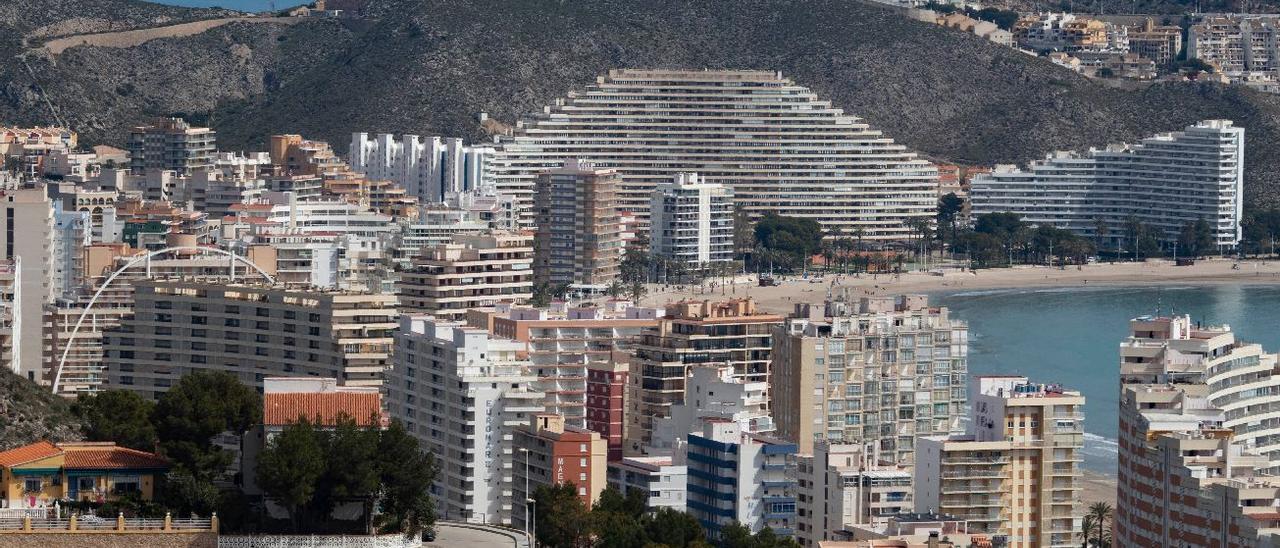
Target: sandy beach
x=781, y=298
x=1098, y=488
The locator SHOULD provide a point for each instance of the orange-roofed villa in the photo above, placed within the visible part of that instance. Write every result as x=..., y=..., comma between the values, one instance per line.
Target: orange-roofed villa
x=40, y=474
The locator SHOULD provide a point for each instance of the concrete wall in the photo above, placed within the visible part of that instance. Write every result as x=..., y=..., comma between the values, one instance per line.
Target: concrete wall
x=109, y=540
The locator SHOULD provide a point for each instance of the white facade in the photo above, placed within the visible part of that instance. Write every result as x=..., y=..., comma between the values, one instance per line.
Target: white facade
x=779, y=146
x=1194, y=174
x=691, y=221
x=428, y=168
x=712, y=393
x=840, y=488
x=739, y=477
x=463, y=393
x=1238, y=44
x=662, y=482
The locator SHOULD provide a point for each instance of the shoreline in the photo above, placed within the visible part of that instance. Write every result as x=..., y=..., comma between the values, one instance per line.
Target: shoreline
x=814, y=289
x=1097, y=487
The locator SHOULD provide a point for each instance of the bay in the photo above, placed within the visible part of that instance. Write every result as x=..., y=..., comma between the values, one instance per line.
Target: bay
x=1072, y=336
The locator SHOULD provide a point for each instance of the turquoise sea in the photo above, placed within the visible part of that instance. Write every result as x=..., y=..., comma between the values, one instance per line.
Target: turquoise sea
x=1072, y=336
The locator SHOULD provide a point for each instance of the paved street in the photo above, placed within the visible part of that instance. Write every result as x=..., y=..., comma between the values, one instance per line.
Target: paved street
x=455, y=537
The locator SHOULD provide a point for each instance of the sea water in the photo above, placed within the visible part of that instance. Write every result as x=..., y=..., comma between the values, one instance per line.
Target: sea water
x=1072, y=336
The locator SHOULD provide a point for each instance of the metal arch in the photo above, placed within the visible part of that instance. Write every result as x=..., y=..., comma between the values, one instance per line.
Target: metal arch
x=57, y=376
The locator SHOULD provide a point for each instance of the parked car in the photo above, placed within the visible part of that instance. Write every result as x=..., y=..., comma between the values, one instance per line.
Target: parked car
x=429, y=534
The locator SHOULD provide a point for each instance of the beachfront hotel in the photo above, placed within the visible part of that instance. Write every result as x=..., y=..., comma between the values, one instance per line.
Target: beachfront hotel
x=250, y=331
x=777, y=145
x=1015, y=473
x=1199, y=441
x=882, y=371
x=1194, y=174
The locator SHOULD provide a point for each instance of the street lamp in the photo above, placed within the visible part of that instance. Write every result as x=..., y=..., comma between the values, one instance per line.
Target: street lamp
x=525, y=451
x=533, y=504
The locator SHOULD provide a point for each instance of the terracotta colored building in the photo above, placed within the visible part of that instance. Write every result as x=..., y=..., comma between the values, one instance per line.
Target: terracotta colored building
x=552, y=454
x=607, y=401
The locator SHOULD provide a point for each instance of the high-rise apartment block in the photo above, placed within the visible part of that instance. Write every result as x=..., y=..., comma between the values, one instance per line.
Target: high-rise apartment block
x=464, y=394
x=775, y=143
x=607, y=401
x=429, y=168
x=879, y=370
x=736, y=477
x=579, y=239
x=29, y=242
x=1195, y=174
x=171, y=144
x=555, y=454
x=691, y=221
x=250, y=331
x=732, y=334
x=567, y=346
x=839, y=488
x=475, y=270
x=712, y=392
x=1016, y=473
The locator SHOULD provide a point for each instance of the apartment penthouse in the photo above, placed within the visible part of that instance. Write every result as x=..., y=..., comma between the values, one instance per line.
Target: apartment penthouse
x=730, y=334
x=463, y=394
x=1236, y=377
x=171, y=144
x=473, y=271
x=775, y=143
x=250, y=331
x=1193, y=174
x=1015, y=473
x=884, y=371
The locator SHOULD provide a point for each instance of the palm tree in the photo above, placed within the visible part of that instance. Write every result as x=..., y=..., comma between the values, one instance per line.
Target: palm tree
x=1086, y=527
x=1101, y=514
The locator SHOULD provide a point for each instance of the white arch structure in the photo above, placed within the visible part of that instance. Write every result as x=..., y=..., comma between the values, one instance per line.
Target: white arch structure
x=144, y=258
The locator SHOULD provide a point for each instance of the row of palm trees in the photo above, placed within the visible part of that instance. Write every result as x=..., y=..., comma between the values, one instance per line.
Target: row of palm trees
x=1096, y=527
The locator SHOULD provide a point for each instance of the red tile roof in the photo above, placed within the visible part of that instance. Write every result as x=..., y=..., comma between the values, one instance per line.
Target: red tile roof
x=322, y=408
x=28, y=453
x=109, y=457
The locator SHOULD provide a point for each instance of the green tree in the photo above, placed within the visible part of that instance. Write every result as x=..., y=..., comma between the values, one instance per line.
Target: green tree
x=1100, y=516
x=1100, y=231
x=949, y=208
x=562, y=517
x=351, y=469
x=202, y=405
x=184, y=494
x=290, y=468
x=118, y=416
x=672, y=528
x=406, y=473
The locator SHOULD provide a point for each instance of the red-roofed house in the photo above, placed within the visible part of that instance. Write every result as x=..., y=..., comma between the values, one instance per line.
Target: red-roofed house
x=37, y=475
x=320, y=400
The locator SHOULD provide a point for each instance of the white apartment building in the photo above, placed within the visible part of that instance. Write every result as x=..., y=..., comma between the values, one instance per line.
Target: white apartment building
x=1194, y=174
x=29, y=241
x=250, y=331
x=736, y=477
x=428, y=168
x=839, y=488
x=884, y=371
x=691, y=221
x=712, y=392
x=1016, y=473
x=775, y=143
x=472, y=271
x=10, y=319
x=662, y=482
x=463, y=394
x=1239, y=44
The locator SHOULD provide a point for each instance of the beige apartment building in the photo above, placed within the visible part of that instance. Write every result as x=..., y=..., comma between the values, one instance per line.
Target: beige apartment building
x=28, y=241
x=579, y=239
x=566, y=343
x=731, y=334
x=879, y=370
x=251, y=331
x=171, y=144
x=1016, y=473
x=839, y=488
x=474, y=271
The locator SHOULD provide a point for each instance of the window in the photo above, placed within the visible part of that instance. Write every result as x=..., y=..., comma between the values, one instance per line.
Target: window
x=31, y=485
x=86, y=484
x=125, y=484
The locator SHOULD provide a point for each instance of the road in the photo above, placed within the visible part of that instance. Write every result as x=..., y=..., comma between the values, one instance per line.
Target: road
x=454, y=537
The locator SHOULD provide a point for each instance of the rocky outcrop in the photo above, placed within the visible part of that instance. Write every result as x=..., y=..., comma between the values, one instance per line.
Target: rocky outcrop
x=29, y=413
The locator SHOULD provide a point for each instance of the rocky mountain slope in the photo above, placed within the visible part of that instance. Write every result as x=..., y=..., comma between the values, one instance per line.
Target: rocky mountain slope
x=29, y=413
x=429, y=66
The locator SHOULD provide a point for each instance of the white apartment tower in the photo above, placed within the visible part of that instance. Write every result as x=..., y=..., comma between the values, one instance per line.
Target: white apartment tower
x=463, y=394
x=428, y=168
x=1194, y=174
x=775, y=143
x=691, y=221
